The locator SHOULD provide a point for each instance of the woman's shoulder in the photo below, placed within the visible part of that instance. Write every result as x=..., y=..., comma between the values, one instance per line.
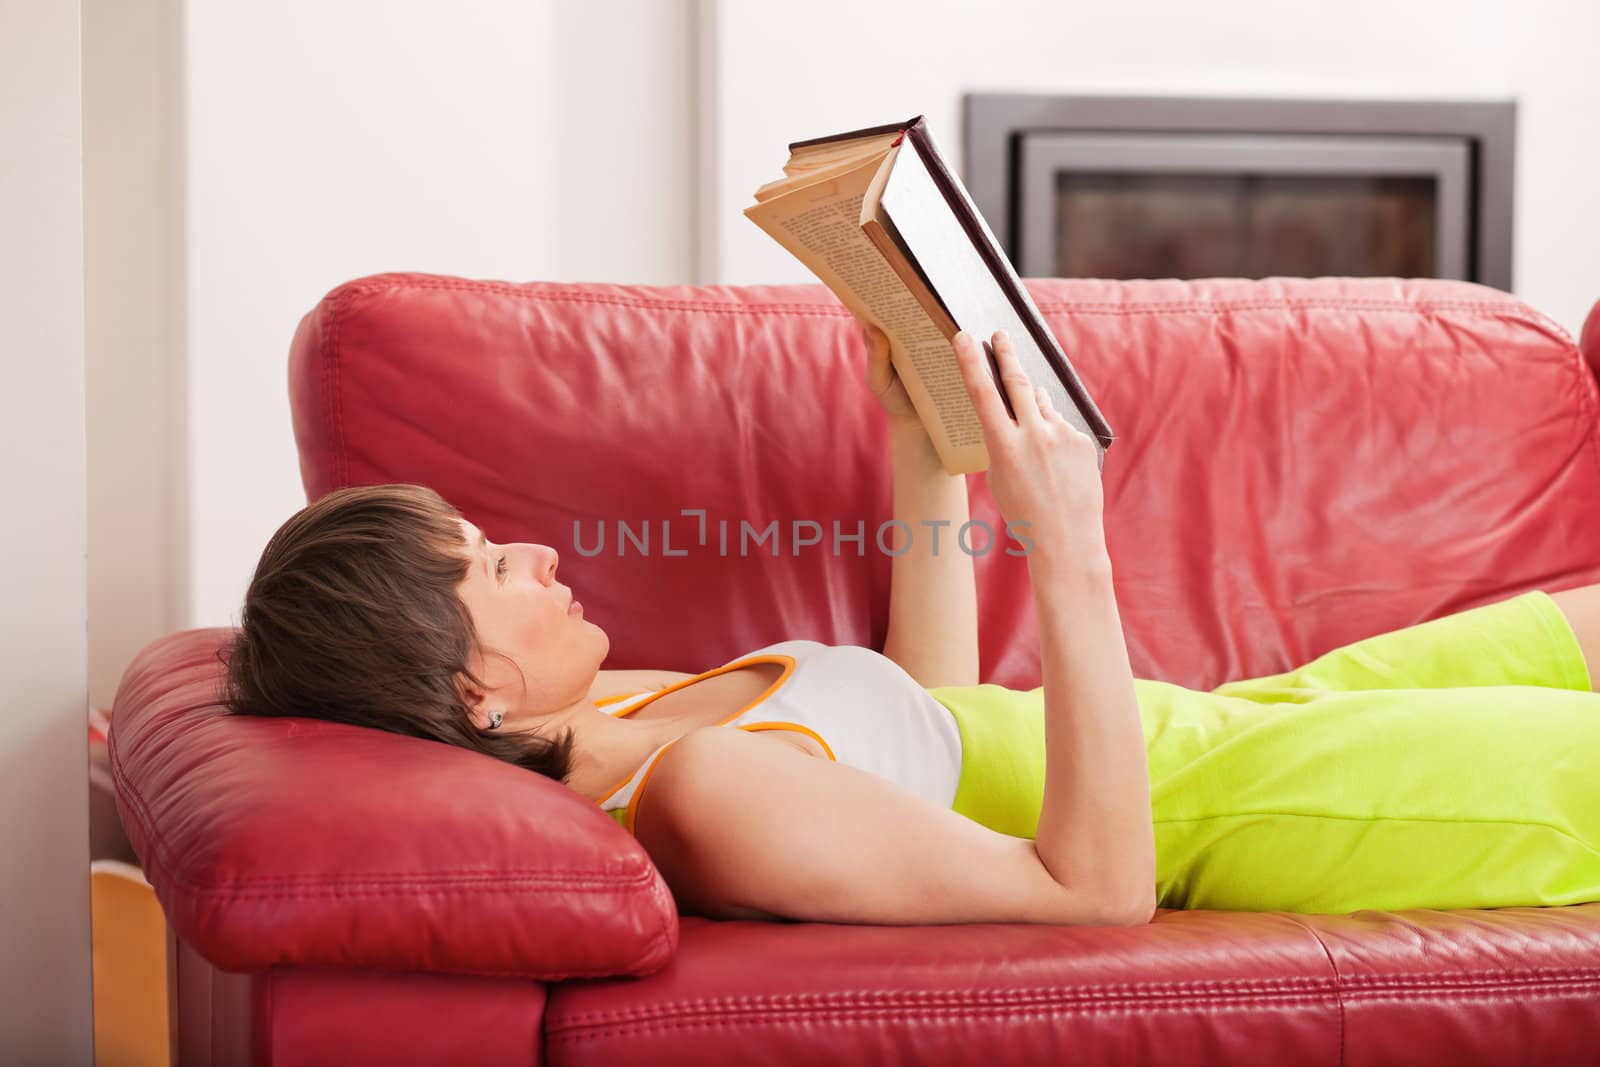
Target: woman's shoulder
x=611, y=685
x=608, y=684
x=618, y=683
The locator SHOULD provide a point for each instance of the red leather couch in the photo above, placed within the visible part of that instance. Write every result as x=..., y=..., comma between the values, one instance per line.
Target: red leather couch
x=1300, y=463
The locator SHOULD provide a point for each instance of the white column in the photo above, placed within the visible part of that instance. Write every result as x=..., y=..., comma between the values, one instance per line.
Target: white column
x=46, y=1014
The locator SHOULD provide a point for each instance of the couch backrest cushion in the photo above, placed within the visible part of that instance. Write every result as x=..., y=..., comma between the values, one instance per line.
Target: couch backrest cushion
x=1299, y=462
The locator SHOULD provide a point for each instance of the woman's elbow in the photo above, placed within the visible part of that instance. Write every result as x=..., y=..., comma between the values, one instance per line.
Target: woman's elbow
x=1140, y=914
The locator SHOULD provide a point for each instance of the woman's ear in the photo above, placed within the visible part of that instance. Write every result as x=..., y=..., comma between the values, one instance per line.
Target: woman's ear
x=476, y=701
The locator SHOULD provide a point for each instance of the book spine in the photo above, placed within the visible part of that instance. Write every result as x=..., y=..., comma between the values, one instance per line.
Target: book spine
x=871, y=131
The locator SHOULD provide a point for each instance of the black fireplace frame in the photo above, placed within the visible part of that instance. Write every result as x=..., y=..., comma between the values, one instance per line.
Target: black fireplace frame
x=995, y=125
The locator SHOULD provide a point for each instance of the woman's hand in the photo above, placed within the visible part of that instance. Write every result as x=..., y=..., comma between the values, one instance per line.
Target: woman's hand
x=1042, y=469
x=884, y=382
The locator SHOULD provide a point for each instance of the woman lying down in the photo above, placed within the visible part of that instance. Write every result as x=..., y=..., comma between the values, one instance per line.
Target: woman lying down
x=1450, y=764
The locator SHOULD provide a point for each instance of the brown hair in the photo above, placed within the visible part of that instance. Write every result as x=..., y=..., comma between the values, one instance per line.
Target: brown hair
x=353, y=616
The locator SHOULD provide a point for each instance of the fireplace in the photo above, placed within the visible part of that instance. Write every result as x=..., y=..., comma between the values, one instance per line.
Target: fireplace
x=1131, y=187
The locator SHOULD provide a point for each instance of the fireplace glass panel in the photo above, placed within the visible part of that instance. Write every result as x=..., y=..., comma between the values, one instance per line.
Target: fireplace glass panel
x=1173, y=225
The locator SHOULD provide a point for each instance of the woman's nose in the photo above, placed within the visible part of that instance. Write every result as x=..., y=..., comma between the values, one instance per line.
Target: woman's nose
x=549, y=559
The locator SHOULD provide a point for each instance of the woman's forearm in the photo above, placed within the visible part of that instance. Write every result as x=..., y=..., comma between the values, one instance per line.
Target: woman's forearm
x=933, y=598
x=1095, y=832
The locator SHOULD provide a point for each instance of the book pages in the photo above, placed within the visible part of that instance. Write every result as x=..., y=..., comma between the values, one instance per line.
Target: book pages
x=820, y=225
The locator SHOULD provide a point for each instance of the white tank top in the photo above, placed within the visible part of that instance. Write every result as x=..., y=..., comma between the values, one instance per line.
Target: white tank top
x=859, y=704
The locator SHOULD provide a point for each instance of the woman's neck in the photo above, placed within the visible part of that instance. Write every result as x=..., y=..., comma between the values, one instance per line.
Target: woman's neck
x=608, y=750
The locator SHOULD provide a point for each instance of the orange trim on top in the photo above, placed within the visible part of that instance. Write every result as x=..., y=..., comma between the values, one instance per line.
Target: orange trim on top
x=794, y=726
x=612, y=700
x=633, y=801
x=760, y=657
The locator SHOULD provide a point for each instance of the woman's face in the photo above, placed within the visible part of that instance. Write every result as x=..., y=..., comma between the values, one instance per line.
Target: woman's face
x=521, y=611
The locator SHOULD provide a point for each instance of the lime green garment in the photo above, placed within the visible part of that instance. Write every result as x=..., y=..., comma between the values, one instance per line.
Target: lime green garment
x=1450, y=764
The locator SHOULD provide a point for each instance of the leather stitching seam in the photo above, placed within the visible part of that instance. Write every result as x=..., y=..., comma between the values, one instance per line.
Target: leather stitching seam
x=1338, y=992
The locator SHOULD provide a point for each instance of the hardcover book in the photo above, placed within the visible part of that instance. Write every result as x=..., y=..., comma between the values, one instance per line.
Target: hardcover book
x=882, y=220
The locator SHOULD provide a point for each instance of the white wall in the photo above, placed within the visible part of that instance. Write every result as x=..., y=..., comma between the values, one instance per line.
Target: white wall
x=326, y=141
x=45, y=1005
x=137, y=555
x=891, y=61
x=620, y=140
x=1550, y=47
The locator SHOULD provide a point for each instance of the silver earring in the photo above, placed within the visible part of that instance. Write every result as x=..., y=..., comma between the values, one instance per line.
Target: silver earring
x=495, y=719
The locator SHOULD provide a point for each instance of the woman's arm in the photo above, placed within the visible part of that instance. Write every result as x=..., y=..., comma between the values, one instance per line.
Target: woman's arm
x=1095, y=824
x=933, y=598
x=742, y=828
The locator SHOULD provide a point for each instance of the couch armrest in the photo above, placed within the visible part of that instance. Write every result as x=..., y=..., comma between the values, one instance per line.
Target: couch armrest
x=293, y=841
x=1589, y=339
